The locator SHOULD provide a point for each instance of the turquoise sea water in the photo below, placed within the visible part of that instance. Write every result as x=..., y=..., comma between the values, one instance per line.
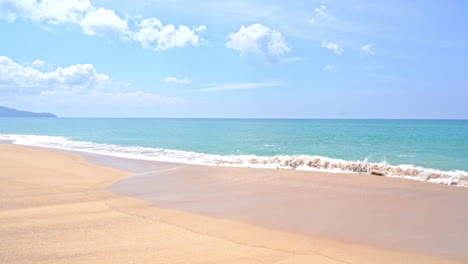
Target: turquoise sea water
x=435, y=144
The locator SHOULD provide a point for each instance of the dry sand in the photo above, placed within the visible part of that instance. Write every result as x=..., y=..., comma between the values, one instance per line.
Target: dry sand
x=54, y=208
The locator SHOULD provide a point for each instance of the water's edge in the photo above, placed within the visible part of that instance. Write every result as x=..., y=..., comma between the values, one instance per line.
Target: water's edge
x=302, y=162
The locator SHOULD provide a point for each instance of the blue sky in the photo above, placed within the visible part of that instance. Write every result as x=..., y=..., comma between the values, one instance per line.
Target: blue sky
x=255, y=58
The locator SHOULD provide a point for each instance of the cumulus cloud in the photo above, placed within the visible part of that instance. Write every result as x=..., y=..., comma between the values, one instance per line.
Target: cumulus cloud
x=201, y=28
x=335, y=47
x=368, y=49
x=77, y=87
x=93, y=21
x=151, y=33
x=321, y=13
x=170, y=79
x=260, y=40
x=75, y=77
x=154, y=35
x=103, y=22
x=52, y=11
x=241, y=86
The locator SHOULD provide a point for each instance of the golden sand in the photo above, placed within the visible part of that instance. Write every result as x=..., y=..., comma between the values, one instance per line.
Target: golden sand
x=54, y=208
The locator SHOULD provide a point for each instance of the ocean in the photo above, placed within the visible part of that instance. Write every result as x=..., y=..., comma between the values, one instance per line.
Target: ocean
x=426, y=150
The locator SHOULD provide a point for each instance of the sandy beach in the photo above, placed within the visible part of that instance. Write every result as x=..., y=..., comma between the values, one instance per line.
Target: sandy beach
x=393, y=213
x=58, y=207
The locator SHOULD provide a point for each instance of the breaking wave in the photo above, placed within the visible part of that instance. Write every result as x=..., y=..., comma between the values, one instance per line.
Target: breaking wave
x=302, y=162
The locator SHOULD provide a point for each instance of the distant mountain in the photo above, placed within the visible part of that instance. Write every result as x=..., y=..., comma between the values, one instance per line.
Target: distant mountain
x=10, y=112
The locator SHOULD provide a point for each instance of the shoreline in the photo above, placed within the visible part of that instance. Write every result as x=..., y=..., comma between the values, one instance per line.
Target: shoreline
x=456, y=178
x=82, y=201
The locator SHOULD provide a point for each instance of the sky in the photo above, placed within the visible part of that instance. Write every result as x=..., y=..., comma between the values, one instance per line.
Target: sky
x=236, y=59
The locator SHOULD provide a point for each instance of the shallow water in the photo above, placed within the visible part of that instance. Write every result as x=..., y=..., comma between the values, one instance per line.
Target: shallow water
x=429, y=150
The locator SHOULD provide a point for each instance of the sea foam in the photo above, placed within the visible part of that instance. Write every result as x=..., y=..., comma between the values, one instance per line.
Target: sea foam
x=299, y=162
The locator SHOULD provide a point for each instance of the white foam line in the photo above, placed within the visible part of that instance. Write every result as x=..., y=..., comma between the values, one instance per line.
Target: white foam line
x=304, y=162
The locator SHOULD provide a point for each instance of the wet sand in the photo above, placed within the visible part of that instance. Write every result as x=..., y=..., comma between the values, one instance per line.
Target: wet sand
x=55, y=208
x=394, y=213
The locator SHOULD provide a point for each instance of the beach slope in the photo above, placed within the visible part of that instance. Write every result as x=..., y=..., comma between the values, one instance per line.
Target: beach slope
x=54, y=208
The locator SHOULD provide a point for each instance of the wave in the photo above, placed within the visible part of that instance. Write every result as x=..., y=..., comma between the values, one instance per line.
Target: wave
x=302, y=162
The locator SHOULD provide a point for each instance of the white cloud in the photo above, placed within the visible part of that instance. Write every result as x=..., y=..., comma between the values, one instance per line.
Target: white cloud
x=154, y=35
x=368, y=49
x=51, y=11
x=103, y=22
x=321, y=13
x=93, y=21
x=241, y=86
x=335, y=47
x=38, y=64
x=75, y=77
x=201, y=28
x=100, y=21
x=170, y=79
x=75, y=90
x=260, y=40
x=329, y=67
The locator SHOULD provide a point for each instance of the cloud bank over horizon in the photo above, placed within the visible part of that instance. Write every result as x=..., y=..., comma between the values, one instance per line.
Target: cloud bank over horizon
x=78, y=84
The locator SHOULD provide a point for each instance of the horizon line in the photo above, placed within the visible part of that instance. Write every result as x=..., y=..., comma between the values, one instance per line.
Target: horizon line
x=255, y=118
